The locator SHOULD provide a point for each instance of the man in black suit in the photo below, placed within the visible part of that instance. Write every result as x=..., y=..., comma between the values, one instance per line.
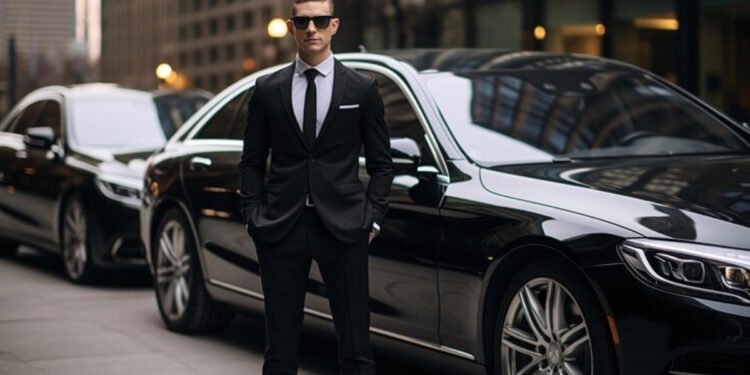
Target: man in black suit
x=314, y=116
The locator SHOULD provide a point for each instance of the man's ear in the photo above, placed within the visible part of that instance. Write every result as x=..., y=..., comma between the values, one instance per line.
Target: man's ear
x=334, y=26
x=290, y=27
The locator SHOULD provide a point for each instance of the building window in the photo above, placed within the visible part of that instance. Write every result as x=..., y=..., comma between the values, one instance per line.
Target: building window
x=183, y=58
x=213, y=54
x=197, y=5
x=231, y=54
x=197, y=30
x=249, y=48
x=213, y=3
x=247, y=20
x=230, y=23
x=198, y=82
x=183, y=7
x=267, y=14
x=213, y=82
x=183, y=32
x=213, y=26
x=229, y=78
x=198, y=57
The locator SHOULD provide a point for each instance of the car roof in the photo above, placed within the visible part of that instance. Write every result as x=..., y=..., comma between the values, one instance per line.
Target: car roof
x=479, y=60
x=86, y=90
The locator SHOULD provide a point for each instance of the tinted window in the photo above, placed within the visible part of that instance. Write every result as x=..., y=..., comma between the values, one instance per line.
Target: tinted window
x=175, y=109
x=50, y=117
x=121, y=121
x=229, y=121
x=400, y=117
x=535, y=115
x=29, y=117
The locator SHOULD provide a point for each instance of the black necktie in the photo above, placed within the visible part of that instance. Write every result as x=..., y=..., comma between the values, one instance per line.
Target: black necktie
x=311, y=108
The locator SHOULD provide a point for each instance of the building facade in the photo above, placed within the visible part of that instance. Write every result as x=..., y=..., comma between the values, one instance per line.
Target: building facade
x=48, y=45
x=208, y=43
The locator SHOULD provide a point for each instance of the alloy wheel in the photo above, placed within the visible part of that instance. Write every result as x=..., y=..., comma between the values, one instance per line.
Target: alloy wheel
x=173, y=277
x=544, y=332
x=75, y=252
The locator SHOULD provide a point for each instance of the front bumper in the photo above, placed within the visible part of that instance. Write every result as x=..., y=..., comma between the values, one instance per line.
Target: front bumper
x=119, y=244
x=663, y=332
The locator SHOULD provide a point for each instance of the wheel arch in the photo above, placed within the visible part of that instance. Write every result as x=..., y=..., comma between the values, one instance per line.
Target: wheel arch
x=499, y=274
x=159, y=210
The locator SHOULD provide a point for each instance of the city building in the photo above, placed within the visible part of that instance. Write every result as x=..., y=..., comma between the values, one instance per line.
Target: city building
x=51, y=44
x=209, y=44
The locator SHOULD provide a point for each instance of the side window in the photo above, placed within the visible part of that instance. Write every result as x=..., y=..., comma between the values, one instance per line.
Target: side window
x=50, y=117
x=400, y=117
x=229, y=121
x=28, y=118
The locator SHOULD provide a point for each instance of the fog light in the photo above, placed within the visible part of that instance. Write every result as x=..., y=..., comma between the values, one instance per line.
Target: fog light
x=736, y=277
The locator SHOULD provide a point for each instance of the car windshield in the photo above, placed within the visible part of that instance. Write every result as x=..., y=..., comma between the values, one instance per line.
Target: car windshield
x=530, y=116
x=123, y=121
x=174, y=109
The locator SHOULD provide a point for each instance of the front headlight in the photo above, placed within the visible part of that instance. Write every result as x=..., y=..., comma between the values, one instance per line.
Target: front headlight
x=121, y=189
x=687, y=268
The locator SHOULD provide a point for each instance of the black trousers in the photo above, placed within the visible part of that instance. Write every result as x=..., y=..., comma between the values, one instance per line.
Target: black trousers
x=284, y=269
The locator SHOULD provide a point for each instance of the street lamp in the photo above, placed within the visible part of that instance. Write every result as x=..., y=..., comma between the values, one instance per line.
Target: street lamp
x=276, y=30
x=163, y=71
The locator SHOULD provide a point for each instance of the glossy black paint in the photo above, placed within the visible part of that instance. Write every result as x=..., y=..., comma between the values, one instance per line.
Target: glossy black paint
x=456, y=233
x=37, y=181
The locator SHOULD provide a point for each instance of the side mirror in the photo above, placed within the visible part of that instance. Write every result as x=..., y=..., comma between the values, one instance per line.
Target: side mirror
x=406, y=155
x=42, y=138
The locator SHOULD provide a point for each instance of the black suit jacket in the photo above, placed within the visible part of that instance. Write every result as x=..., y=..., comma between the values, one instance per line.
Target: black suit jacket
x=328, y=170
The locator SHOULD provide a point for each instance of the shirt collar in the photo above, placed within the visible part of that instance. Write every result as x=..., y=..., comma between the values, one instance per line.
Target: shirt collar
x=324, y=68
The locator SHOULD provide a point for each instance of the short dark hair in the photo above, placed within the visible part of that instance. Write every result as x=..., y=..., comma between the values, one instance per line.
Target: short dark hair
x=295, y=2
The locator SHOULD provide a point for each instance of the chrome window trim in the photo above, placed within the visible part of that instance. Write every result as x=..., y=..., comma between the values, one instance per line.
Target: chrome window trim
x=379, y=331
x=415, y=104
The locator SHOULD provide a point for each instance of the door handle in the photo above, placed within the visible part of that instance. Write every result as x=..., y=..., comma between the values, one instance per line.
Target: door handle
x=200, y=163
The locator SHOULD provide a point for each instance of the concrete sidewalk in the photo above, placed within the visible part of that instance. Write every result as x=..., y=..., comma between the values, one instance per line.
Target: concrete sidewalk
x=51, y=326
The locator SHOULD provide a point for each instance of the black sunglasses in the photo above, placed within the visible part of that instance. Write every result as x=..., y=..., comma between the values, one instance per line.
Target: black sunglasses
x=321, y=22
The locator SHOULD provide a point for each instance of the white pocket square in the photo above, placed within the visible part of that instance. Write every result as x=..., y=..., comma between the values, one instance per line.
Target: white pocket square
x=349, y=106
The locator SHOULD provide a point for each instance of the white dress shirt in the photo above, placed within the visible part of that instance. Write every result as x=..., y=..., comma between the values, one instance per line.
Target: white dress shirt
x=324, y=90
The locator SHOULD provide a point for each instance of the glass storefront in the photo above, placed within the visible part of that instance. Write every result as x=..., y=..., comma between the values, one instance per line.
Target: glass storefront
x=644, y=33
x=572, y=26
x=499, y=24
x=724, y=49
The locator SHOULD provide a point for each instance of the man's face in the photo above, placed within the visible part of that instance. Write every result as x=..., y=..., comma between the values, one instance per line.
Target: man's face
x=312, y=40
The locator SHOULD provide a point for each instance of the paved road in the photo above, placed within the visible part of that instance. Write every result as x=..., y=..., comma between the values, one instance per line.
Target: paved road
x=50, y=326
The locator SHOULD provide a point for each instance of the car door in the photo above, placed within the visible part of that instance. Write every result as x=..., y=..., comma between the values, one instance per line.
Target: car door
x=211, y=180
x=32, y=177
x=11, y=145
x=402, y=269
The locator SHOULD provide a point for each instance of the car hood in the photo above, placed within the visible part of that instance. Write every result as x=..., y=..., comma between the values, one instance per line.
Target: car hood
x=130, y=164
x=700, y=199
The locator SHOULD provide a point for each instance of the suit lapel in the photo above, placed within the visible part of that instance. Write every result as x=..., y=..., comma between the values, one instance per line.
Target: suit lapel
x=286, y=100
x=339, y=88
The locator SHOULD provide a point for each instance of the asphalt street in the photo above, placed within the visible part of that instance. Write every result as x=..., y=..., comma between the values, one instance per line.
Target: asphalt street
x=51, y=326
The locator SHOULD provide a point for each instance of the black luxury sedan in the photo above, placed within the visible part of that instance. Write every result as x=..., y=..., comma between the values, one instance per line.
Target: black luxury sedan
x=176, y=106
x=71, y=171
x=550, y=214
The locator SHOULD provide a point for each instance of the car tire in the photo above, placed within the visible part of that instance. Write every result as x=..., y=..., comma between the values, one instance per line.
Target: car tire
x=572, y=337
x=78, y=237
x=184, y=303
